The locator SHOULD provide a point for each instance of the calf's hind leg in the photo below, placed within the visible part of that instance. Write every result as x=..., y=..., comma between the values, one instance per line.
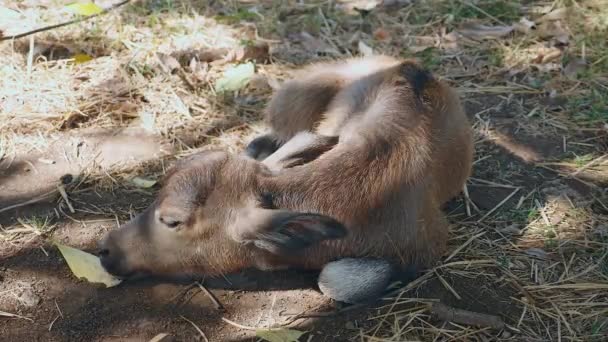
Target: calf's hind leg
x=356, y=280
x=297, y=106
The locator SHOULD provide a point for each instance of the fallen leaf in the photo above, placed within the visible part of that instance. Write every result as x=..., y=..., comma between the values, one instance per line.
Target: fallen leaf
x=314, y=44
x=365, y=50
x=147, y=120
x=556, y=14
x=549, y=56
x=524, y=25
x=142, y=182
x=273, y=83
x=158, y=337
x=259, y=82
x=537, y=253
x=84, y=8
x=513, y=229
x=553, y=30
x=168, y=63
x=80, y=58
x=235, y=78
x=257, y=51
x=574, y=67
x=88, y=266
x=480, y=31
x=279, y=335
x=381, y=34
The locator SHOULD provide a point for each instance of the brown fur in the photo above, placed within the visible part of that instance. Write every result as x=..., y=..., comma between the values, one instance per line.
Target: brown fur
x=404, y=148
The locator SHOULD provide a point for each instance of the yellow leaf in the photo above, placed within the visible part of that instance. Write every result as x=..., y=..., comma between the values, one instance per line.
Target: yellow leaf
x=80, y=58
x=158, y=337
x=279, y=335
x=84, y=8
x=143, y=182
x=88, y=266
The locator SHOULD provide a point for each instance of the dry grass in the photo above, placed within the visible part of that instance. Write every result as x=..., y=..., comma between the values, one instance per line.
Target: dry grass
x=523, y=241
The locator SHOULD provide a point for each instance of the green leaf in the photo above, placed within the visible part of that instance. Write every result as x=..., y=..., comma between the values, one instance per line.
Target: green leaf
x=279, y=335
x=235, y=78
x=84, y=8
x=88, y=266
x=143, y=182
x=80, y=58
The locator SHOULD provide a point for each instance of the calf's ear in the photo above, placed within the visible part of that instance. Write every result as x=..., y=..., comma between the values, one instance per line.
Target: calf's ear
x=284, y=232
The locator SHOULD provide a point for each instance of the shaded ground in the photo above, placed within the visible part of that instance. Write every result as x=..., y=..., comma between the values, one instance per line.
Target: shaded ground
x=529, y=239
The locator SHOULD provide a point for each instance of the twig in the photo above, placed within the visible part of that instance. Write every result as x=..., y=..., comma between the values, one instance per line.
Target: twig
x=64, y=194
x=197, y=328
x=246, y=327
x=484, y=13
x=211, y=296
x=51, y=27
x=447, y=285
x=589, y=164
x=461, y=247
x=8, y=314
x=28, y=202
x=499, y=205
x=460, y=316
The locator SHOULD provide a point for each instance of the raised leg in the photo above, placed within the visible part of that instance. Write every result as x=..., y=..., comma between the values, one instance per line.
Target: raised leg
x=303, y=148
x=296, y=107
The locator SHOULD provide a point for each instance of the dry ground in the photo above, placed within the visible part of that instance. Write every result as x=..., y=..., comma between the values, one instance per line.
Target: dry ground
x=529, y=238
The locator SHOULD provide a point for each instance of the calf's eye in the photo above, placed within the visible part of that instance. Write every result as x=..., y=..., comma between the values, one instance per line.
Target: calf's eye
x=169, y=222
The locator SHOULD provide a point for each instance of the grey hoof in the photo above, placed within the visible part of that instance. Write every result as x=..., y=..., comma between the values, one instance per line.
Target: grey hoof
x=354, y=280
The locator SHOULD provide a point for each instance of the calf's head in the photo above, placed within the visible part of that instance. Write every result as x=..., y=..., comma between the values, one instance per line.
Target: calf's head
x=212, y=216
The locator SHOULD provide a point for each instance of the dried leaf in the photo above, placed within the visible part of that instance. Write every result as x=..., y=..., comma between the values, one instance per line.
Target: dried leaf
x=365, y=50
x=158, y=337
x=524, y=25
x=279, y=335
x=574, y=67
x=84, y=8
x=235, y=78
x=480, y=31
x=168, y=63
x=88, y=266
x=556, y=14
x=553, y=30
x=259, y=82
x=258, y=52
x=147, y=120
x=513, y=229
x=537, y=253
x=80, y=58
x=142, y=182
x=381, y=34
x=314, y=44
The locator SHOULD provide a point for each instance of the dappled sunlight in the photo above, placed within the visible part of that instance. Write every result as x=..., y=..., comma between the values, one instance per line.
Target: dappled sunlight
x=127, y=93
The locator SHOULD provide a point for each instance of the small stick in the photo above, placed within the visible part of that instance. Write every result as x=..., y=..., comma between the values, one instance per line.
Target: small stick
x=47, y=28
x=211, y=296
x=197, y=328
x=447, y=285
x=64, y=194
x=460, y=316
x=8, y=314
x=499, y=205
x=588, y=165
x=467, y=206
x=28, y=202
x=461, y=247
